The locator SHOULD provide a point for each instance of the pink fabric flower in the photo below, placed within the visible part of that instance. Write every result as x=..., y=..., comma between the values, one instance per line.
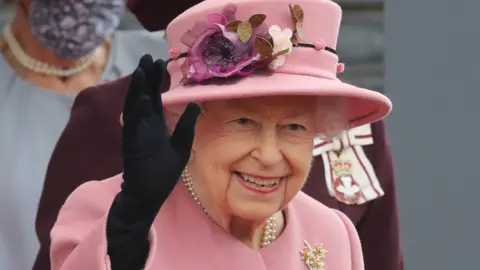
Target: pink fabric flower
x=281, y=42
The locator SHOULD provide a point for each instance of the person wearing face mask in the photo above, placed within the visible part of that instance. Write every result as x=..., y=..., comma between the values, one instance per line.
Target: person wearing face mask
x=51, y=51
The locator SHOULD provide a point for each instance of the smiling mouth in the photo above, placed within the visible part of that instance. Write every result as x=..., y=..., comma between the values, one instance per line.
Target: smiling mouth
x=260, y=182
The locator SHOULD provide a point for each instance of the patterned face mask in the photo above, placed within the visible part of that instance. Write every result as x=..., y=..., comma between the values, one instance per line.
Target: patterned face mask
x=74, y=28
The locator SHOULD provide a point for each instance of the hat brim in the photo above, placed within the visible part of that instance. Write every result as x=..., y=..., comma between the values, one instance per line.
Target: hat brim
x=363, y=106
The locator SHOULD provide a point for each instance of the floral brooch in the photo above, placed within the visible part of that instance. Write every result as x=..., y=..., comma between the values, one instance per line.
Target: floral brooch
x=314, y=258
x=223, y=46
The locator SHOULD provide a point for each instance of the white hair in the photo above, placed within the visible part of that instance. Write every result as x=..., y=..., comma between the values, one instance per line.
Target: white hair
x=330, y=117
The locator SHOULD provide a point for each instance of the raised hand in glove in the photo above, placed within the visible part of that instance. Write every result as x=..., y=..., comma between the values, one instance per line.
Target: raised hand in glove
x=153, y=163
x=153, y=160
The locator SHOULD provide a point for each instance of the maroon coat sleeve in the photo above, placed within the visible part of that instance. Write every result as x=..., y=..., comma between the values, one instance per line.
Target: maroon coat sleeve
x=89, y=149
x=379, y=226
x=93, y=132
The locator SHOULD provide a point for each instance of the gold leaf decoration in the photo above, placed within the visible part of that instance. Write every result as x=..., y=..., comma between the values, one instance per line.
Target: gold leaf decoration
x=257, y=19
x=264, y=62
x=233, y=25
x=300, y=32
x=263, y=47
x=297, y=16
x=293, y=15
x=294, y=40
x=297, y=13
x=244, y=31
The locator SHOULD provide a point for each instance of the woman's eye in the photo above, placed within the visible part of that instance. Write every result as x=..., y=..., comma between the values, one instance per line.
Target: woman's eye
x=295, y=127
x=244, y=121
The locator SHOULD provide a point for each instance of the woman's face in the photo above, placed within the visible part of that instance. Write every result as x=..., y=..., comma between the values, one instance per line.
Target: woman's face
x=252, y=156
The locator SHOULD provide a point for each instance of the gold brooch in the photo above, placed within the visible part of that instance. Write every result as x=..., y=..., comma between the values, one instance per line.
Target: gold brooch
x=314, y=257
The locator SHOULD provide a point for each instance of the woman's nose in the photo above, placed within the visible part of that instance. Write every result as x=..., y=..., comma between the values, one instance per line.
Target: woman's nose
x=267, y=151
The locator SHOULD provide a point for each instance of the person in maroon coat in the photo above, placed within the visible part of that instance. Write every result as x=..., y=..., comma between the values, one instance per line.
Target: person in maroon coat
x=352, y=173
x=154, y=15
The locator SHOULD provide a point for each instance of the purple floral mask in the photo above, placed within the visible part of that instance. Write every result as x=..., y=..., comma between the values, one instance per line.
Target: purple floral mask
x=74, y=28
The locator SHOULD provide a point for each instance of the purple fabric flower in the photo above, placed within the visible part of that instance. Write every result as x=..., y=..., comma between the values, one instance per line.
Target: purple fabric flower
x=215, y=51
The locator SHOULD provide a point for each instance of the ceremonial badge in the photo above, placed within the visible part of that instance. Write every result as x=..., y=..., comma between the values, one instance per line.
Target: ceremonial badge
x=314, y=257
x=346, y=188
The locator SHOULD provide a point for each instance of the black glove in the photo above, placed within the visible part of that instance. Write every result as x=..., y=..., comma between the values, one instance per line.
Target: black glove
x=153, y=160
x=153, y=163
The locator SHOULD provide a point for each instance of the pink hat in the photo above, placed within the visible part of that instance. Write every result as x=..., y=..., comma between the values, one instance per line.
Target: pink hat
x=272, y=47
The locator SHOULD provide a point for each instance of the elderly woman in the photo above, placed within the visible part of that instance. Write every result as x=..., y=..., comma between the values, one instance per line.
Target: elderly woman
x=50, y=51
x=89, y=148
x=242, y=156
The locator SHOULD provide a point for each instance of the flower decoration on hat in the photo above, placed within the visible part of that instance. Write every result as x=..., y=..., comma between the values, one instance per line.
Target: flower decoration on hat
x=220, y=47
x=274, y=52
x=297, y=15
x=223, y=46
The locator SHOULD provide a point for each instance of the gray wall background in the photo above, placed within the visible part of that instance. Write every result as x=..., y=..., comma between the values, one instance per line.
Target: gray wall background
x=432, y=77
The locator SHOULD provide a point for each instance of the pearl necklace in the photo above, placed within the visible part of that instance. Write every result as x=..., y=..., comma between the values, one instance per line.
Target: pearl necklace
x=40, y=67
x=269, y=229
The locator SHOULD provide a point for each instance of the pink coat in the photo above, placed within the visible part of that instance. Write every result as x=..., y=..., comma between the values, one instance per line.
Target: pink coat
x=183, y=237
